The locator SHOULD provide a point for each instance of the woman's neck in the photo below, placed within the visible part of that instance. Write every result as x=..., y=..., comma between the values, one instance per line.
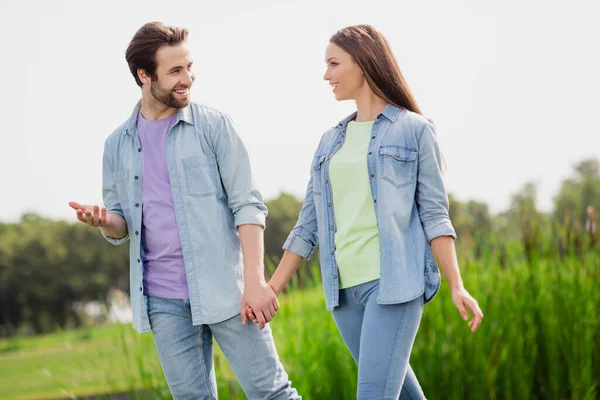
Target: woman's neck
x=369, y=106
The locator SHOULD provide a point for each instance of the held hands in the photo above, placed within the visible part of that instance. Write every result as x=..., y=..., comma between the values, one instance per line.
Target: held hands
x=460, y=297
x=259, y=303
x=463, y=301
x=91, y=215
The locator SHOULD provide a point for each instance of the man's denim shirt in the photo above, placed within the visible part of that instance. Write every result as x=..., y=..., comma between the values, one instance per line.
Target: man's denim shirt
x=213, y=193
x=410, y=200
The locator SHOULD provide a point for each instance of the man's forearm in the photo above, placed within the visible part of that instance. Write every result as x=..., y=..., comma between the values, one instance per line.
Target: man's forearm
x=117, y=228
x=252, y=243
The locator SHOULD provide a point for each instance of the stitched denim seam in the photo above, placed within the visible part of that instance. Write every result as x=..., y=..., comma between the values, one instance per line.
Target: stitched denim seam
x=206, y=374
x=387, y=380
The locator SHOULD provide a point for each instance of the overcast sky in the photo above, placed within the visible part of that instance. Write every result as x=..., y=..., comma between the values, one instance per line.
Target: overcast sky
x=512, y=86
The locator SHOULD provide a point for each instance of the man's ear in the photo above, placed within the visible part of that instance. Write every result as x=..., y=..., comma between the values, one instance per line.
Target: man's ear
x=143, y=77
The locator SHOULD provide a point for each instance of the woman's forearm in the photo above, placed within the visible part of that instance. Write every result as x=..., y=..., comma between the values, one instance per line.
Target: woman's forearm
x=287, y=266
x=445, y=254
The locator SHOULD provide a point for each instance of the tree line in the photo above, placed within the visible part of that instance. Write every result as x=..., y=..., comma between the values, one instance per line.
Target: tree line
x=46, y=266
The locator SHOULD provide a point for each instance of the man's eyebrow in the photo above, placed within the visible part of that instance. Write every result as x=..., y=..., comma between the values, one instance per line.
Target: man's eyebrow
x=179, y=66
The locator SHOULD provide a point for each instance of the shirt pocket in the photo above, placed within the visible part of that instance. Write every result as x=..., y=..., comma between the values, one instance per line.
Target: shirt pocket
x=121, y=178
x=199, y=177
x=317, y=171
x=398, y=165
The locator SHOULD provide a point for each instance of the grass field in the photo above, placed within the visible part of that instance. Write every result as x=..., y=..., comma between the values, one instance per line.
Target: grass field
x=540, y=339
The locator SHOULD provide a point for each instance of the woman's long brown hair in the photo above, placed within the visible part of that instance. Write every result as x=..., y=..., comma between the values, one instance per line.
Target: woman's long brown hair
x=372, y=52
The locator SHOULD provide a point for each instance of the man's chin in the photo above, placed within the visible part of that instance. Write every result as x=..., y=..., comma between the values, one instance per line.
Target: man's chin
x=180, y=103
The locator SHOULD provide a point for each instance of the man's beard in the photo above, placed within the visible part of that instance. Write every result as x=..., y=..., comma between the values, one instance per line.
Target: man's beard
x=167, y=97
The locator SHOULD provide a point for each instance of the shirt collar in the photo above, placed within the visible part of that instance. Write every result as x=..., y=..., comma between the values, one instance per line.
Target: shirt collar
x=184, y=114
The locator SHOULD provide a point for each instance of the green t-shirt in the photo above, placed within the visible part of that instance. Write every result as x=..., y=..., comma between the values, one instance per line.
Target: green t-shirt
x=356, y=235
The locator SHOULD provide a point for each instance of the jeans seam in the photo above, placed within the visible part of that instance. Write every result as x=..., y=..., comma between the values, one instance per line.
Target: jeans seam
x=203, y=363
x=408, y=391
x=188, y=307
x=355, y=294
x=387, y=380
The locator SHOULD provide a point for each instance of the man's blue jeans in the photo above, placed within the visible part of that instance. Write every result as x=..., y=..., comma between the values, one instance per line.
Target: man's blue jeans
x=186, y=354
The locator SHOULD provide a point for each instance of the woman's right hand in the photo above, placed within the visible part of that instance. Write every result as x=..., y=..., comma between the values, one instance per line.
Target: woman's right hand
x=463, y=301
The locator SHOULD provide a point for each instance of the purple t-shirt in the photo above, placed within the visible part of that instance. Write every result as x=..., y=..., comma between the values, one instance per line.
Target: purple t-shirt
x=164, y=270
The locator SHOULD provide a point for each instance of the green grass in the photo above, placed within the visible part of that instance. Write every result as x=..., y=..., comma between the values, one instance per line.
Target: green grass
x=540, y=340
x=114, y=359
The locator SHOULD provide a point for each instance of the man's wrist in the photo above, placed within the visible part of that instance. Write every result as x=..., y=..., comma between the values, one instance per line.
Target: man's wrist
x=254, y=280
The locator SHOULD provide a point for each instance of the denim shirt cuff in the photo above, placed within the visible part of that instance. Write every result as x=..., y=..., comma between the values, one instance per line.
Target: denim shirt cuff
x=297, y=245
x=250, y=215
x=444, y=228
x=114, y=241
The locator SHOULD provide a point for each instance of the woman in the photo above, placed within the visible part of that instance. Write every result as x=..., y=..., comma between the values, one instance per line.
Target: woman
x=377, y=207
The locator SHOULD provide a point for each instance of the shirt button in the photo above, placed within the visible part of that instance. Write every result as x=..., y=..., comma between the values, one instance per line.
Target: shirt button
x=139, y=149
x=331, y=228
x=370, y=152
x=135, y=177
x=326, y=180
x=375, y=201
x=136, y=232
x=372, y=137
x=332, y=253
x=328, y=204
x=140, y=289
x=372, y=175
x=138, y=260
x=137, y=204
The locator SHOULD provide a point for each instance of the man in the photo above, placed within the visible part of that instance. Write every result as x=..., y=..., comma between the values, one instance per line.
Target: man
x=177, y=181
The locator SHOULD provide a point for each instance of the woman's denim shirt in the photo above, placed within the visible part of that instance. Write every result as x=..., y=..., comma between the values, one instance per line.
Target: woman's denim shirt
x=410, y=200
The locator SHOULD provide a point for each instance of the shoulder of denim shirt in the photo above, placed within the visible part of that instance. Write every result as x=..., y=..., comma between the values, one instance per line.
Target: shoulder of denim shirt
x=328, y=133
x=325, y=138
x=337, y=127
x=416, y=123
x=212, y=122
x=209, y=114
x=114, y=138
x=126, y=126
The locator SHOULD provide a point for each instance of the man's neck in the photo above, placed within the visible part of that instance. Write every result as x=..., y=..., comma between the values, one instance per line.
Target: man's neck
x=153, y=109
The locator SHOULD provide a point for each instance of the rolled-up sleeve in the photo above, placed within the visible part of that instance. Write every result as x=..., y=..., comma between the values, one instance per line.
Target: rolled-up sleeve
x=244, y=199
x=431, y=195
x=304, y=237
x=110, y=195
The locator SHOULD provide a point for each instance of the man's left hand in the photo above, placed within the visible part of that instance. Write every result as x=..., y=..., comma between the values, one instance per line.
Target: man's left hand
x=259, y=296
